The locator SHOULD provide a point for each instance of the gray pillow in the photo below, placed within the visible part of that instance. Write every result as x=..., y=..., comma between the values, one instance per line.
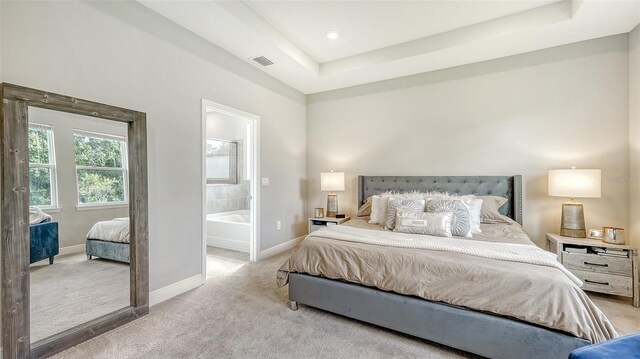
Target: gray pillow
x=400, y=204
x=418, y=222
x=365, y=209
x=460, y=221
x=490, y=209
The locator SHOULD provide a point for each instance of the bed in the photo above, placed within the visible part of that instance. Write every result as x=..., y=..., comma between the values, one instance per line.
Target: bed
x=109, y=240
x=497, y=309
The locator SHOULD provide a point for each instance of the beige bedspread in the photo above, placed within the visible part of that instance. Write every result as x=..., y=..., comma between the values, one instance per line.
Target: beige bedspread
x=536, y=294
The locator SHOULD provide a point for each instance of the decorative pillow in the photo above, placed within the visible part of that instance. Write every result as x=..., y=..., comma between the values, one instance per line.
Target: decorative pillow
x=418, y=222
x=396, y=204
x=490, y=206
x=475, y=210
x=378, y=209
x=460, y=223
x=379, y=205
x=365, y=209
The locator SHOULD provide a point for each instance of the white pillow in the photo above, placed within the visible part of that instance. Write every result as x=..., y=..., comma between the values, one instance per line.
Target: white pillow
x=380, y=204
x=475, y=210
x=376, y=208
x=434, y=224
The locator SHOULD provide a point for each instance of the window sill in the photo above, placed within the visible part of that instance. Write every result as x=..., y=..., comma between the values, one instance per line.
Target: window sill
x=51, y=209
x=92, y=207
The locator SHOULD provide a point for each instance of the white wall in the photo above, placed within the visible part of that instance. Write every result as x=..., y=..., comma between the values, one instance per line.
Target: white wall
x=524, y=114
x=74, y=224
x=123, y=54
x=634, y=134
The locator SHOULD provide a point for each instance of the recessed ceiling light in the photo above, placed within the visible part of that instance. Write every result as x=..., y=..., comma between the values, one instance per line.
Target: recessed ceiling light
x=332, y=34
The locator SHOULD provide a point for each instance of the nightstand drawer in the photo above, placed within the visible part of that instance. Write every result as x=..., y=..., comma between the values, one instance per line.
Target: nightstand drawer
x=315, y=227
x=596, y=263
x=605, y=283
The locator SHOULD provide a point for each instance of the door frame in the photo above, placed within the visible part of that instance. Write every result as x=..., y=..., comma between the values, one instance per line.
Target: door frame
x=254, y=120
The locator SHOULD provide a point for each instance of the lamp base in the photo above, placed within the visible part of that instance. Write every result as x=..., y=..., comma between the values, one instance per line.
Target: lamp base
x=332, y=205
x=573, y=220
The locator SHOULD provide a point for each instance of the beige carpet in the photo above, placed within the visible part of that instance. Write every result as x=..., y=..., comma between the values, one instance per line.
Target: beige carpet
x=240, y=313
x=74, y=290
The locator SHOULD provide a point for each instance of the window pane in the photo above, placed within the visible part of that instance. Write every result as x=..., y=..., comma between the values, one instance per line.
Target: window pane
x=217, y=148
x=221, y=160
x=38, y=146
x=218, y=167
x=40, y=187
x=97, y=152
x=100, y=186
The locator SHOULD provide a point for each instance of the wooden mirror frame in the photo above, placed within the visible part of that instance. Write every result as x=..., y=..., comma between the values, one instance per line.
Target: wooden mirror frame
x=14, y=251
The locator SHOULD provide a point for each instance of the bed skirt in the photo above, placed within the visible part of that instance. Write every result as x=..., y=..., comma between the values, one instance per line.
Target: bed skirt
x=114, y=251
x=475, y=332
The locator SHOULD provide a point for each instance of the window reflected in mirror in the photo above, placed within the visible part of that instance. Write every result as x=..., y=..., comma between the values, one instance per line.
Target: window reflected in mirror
x=42, y=167
x=101, y=169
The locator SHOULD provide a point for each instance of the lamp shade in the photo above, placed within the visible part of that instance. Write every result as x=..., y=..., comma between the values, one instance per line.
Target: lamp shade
x=332, y=181
x=575, y=183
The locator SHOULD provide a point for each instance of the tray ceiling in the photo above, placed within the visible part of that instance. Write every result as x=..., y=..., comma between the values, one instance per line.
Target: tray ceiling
x=380, y=40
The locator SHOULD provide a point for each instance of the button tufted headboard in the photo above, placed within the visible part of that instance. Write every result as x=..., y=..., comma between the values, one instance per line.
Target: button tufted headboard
x=509, y=187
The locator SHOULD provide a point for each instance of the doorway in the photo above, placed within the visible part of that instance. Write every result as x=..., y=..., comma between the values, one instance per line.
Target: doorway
x=230, y=196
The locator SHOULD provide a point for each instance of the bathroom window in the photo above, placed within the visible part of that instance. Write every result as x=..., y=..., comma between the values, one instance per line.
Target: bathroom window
x=42, y=167
x=222, y=162
x=101, y=169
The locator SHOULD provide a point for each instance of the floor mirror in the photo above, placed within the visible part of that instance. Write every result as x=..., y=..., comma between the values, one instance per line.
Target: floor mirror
x=74, y=219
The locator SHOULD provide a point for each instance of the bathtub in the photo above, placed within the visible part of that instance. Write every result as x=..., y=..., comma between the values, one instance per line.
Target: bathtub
x=229, y=230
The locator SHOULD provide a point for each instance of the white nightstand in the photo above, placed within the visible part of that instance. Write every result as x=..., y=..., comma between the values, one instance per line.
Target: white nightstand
x=600, y=271
x=317, y=223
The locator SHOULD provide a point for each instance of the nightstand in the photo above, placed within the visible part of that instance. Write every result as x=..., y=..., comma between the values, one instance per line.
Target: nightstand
x=603, y=267
x=317, y=223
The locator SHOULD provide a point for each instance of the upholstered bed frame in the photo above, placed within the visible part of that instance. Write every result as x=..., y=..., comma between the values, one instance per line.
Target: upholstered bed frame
x=476, y=332
x=509, y=187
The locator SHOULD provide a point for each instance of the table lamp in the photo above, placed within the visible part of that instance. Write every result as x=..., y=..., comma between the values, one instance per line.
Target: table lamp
x=574, y=183
x=332, y=182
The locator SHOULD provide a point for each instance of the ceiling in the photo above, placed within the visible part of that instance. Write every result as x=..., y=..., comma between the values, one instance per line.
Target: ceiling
x=363, y=28
x=380, y=40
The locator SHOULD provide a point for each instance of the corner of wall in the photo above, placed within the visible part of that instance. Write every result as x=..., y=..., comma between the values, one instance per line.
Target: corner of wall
x=634, y=135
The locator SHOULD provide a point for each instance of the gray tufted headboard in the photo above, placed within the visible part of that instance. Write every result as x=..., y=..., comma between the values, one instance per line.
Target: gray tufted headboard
x=509, y=187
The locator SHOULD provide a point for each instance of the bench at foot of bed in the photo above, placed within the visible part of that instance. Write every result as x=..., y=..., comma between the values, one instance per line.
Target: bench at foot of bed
x=114, y=251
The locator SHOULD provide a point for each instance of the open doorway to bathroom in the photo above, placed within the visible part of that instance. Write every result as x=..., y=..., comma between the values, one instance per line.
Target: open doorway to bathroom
x=230, y=163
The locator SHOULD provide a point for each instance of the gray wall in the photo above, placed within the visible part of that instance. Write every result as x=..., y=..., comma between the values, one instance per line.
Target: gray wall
x=525, y=114
x=634, y=133
x=123, y=54
x=74, y=223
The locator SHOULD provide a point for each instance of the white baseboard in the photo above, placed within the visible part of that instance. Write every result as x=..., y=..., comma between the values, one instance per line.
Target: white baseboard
x=80, y=248
x=270, y=252
x=228, y=244
x=172, y=290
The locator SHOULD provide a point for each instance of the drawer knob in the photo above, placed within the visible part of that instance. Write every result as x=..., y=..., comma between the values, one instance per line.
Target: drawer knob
x=596, y=282
x=596, y=264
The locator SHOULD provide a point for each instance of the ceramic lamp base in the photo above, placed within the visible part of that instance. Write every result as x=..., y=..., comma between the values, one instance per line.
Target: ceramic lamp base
x=332, y=205
x=573, y=220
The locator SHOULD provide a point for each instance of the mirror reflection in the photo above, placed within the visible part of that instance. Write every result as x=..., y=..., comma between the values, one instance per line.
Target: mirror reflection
x=79, y=219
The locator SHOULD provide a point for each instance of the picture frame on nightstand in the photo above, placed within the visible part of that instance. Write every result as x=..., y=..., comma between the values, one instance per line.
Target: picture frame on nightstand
x=595, y=233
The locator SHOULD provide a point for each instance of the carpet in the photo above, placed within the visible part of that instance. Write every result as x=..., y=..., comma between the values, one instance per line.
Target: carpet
x=240, y=313
x=74, y=290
